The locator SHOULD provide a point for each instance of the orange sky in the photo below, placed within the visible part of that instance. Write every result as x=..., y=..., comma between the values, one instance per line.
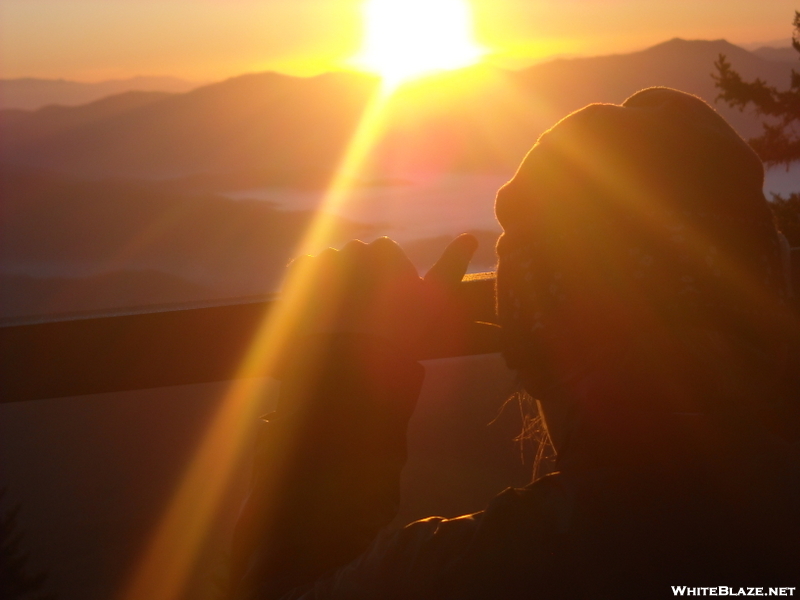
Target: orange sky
x=212, y=39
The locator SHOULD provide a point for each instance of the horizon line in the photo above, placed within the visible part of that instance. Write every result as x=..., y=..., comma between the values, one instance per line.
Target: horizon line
x=495, y=62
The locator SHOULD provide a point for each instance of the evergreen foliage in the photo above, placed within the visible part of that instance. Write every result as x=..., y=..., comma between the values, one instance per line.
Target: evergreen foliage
x=16, y=580
x=779, y=144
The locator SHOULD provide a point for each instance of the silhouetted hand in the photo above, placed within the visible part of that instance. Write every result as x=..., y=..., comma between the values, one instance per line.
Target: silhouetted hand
x=374, y=289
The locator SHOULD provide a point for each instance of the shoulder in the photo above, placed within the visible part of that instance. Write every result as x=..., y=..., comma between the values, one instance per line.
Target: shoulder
x=439, y=557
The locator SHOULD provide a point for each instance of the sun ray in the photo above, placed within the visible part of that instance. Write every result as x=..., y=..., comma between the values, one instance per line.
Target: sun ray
x=171, y=556
x=404, y=40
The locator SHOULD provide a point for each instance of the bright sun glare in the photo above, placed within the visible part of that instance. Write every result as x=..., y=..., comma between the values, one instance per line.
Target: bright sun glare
x=408, y=38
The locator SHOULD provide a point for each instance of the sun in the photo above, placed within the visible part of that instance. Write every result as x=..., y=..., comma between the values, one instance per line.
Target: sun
x=408, y=38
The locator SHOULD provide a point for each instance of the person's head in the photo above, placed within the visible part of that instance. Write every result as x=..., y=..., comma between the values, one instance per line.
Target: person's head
x=635, y=235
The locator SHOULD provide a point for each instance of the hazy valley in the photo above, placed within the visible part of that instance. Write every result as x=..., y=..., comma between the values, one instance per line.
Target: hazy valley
x=205, y=193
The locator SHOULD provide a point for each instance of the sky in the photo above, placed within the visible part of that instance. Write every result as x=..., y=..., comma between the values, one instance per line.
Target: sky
x=206, y=40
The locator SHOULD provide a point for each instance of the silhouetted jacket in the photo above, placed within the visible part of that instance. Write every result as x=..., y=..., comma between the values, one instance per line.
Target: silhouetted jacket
x=328, y=470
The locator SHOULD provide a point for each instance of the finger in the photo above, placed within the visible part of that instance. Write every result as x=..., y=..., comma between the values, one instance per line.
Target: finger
x=353, y=248
x=449, y=270
x=353, y=257
x=297, y=263
x=320, y=294
x=319, y=271
x=389, y=254
x=354, y=267
x=295, y=268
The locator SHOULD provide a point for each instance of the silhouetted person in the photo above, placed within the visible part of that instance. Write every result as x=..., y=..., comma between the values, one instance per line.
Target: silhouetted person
x=643, y=300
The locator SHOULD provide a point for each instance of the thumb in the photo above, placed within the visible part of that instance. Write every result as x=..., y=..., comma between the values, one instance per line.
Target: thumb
x=449, y=270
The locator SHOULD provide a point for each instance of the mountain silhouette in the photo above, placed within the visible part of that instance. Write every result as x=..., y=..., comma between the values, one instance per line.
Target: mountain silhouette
x=682, y=64
x=30, y=93
x=787, y=54
x=271, y=128
x=26, y=127
x=259, y=121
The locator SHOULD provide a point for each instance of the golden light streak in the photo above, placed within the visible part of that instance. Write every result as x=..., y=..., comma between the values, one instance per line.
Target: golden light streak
x=171, y=556
x=173, y=551
x=179, y=537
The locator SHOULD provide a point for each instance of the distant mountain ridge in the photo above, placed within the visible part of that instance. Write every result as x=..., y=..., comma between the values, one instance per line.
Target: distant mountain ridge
x=785, y=42
x=48, y=121
x=268, y=128
x=265, y=121
x=770, y=53
x=30, y=93
x=135, y=183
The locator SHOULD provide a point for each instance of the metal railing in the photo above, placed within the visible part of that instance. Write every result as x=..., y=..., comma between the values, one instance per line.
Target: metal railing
x=72, y=355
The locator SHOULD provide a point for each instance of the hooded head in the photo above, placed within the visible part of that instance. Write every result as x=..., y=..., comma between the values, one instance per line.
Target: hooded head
x=628, y=226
